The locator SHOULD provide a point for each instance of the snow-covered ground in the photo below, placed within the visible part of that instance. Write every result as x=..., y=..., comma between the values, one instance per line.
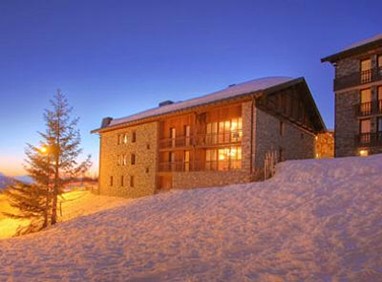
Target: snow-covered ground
x=316, y=220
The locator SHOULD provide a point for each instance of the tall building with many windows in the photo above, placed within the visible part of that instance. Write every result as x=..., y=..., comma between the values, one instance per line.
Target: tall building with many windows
x=358, y=98
x=217, y=139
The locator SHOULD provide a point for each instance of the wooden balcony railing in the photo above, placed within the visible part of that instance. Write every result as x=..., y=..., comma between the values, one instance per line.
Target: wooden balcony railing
x=200, y=166
x=369, y=108
x=229, y=137
x=358, y=78
x=369, y=139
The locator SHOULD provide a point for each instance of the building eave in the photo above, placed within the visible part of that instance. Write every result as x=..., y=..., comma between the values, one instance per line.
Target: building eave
x=352, y=51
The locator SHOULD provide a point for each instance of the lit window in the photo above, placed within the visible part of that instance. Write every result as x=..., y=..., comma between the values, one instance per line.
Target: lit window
x=363, y=153
x=223, y=159
x=365, y=71
x=186, y=160
x=173, y=136
x=365, y=99
x=125, y=138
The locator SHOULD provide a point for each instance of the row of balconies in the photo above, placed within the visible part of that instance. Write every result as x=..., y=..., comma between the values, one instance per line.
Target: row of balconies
x=221, y=165
x=229, y=137
x=358, y=78
x=369, y=139
x=369, y=108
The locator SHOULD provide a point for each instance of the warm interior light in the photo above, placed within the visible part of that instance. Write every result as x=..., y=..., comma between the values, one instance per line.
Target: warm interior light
x=363, y=153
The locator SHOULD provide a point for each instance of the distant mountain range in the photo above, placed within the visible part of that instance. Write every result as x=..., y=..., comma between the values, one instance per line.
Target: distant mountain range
x=6, y=180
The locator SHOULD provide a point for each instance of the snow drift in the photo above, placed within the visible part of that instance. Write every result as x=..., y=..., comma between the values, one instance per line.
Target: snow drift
x=316, y=220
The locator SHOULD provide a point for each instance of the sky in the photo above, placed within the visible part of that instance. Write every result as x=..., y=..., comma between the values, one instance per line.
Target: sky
x=117, y=58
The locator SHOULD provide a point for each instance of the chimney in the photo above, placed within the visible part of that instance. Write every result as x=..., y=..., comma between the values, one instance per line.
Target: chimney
x=165, y=103
x=106, y=121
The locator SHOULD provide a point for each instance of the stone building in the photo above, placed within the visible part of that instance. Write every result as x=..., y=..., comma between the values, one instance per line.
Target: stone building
x=358, y=98
x=213, y=140
x=325, y=145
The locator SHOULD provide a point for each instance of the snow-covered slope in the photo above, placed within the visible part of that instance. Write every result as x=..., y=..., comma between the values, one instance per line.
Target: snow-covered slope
x=316, y=220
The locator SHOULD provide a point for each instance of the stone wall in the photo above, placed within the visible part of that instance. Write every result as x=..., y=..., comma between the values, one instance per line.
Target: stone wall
x=346, y=123
x=346, y=67
x=196, y=179
x=292, y=142
x=144, y=169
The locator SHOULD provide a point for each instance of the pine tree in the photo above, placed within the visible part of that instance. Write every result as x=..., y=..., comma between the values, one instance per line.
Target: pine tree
x=51, y=165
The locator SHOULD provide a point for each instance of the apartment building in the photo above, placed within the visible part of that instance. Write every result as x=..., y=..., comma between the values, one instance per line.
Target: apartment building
x=358, y=98
x=217, y=139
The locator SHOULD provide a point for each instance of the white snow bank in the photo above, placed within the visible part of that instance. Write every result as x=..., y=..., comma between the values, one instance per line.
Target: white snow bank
x=316, y=220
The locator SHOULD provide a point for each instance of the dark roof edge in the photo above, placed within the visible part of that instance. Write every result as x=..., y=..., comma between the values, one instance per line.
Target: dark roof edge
x=352, y=51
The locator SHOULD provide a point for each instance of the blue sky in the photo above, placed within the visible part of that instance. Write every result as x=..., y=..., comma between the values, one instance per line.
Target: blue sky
x=116, y=58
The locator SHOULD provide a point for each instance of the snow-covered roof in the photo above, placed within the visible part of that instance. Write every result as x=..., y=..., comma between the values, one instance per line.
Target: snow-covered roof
x=256, y=85
x=357, y=46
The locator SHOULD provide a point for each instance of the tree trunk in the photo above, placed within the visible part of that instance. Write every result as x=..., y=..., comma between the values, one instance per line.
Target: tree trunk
x=55, y=189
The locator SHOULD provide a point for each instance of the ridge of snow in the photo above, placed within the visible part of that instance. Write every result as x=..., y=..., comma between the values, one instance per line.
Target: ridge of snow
x=229, y=92
x=316, y=220
x=362, y=42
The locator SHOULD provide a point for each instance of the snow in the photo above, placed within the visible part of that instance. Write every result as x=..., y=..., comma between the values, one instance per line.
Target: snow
x=363, y=42
x=230, y=92
x=316, y=220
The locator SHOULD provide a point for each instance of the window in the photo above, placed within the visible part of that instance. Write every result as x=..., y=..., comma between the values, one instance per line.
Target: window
x=119, y=139
x=148, y=146
x=364, y=129
x=281, y=128
x=365, y=71
x=124, y=160
x=379, y=124
x=131, y=180
x=186, y=160
x=187, y=134
x=122, y=180
x=365, y=99
x=125, y=138
x=111, y=180
x=227, y=131
x=132, y=159
x=223, y=159
x=133, y=137
x=379, y=130
x=171, y=158
x=380, y=99
x=173, y=136
x=379, y=61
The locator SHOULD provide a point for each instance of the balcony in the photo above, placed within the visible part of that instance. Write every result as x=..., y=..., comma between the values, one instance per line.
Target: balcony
x=229, y=137
x=368, y=108
x=221, y=165
x=368, y=139
x=358, y=78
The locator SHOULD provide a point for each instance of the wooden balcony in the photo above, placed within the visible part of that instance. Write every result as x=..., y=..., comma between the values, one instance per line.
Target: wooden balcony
x=357, y=78
x=368, y=139
x=226, y=165
x=202, y=140
x=368, y=108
